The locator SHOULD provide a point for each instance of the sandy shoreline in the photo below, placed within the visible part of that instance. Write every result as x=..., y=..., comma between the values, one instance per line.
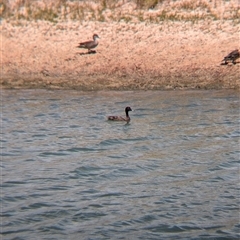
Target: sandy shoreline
x=130, y=56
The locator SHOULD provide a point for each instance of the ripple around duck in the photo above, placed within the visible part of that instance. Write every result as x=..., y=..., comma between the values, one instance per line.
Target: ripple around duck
x=47, y=154
x=83, y=149
x=172, y=173
x=110, y=142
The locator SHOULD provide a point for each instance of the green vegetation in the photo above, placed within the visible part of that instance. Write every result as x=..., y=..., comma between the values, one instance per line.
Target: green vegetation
x=120, y=10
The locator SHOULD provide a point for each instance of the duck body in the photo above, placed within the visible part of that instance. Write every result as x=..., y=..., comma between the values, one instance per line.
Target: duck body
x=89, y=44
x=232, y=56
x=120, y=118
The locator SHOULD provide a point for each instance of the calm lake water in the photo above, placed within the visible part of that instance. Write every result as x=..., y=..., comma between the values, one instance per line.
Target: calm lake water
x=172, y=173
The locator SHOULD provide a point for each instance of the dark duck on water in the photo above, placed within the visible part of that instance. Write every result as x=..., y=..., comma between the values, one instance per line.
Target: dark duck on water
x=120, y=118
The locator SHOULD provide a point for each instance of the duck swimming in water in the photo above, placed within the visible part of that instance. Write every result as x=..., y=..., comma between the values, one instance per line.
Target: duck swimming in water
x=119, y=118
x=232, y=56
x=89, y=44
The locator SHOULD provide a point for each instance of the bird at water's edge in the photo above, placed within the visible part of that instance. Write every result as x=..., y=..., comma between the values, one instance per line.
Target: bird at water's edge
x=120, y=118
x=89, y=44
x=232, y=56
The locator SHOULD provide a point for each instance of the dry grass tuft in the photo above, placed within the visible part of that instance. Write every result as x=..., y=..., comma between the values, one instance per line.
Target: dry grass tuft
x=117, y=10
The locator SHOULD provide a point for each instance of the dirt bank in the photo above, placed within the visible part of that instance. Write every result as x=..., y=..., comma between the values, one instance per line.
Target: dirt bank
x=164, y=55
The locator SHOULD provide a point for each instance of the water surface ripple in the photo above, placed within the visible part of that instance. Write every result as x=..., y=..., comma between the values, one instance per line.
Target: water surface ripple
x=172, y=173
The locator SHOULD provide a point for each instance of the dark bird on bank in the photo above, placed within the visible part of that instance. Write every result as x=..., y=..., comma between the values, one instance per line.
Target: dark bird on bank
x=232, y=56
x=89, y=44
x=119, y=118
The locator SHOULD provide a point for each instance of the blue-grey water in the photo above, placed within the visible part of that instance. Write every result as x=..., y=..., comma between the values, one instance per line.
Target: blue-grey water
x=172, y=173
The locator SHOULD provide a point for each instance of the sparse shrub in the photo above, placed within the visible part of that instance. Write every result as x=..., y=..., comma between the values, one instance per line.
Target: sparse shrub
x=4, y=9
x=146, y=3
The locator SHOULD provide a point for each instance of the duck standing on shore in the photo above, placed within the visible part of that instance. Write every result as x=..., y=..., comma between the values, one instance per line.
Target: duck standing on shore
x=119, y=118
x=89, y=44
x=232, y=56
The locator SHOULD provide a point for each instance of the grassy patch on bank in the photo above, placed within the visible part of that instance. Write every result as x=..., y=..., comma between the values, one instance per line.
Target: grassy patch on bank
x=120, y=10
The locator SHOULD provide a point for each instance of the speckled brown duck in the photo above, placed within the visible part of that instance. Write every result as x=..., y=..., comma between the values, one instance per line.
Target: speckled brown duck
x=120, y=118
x=89, y=45
x=232, y=56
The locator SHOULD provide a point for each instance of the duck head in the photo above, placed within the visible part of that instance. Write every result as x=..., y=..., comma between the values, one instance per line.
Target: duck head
x=127, y=109
x=95, y=36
